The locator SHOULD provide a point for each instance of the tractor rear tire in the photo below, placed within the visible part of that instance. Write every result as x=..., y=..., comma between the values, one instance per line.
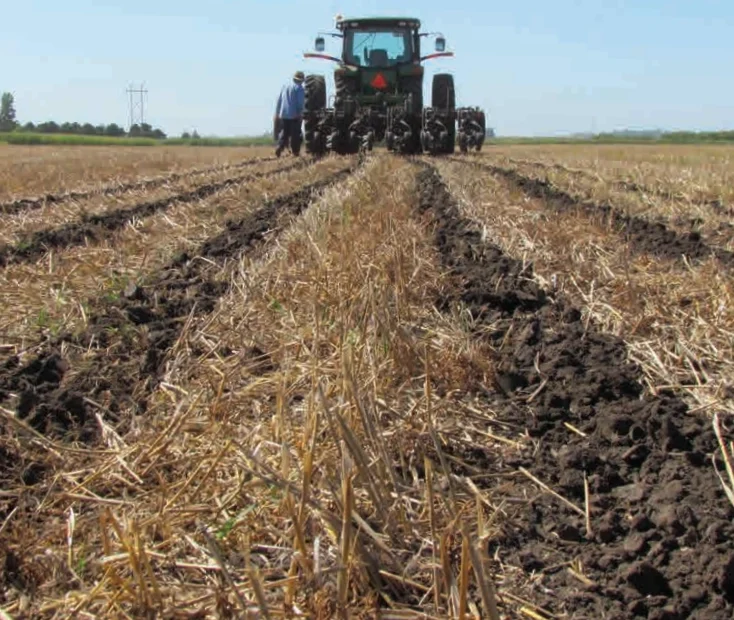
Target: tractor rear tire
x=315, y=102
x=443, y=95
x=443, y=100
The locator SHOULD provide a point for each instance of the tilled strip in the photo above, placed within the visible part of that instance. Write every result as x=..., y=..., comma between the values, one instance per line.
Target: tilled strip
x=94, y=228
x=661, y=541
x=22, y=204
x=642, y=235
x=132, y=337
x=626, y=185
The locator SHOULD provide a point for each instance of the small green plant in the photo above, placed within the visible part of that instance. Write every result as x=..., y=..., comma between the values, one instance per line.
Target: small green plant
x=23, y=244
x=42, y=320
x=228, y=526
x=81, y=566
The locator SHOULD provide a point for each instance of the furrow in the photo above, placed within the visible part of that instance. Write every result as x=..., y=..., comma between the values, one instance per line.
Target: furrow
x=652, y=491
x=625, y=184
x=644, y=236
x=22, y=204
x=94, y=228
x=128, y=341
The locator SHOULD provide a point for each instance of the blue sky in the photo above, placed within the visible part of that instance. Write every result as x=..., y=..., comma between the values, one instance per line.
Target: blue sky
x=537, y=67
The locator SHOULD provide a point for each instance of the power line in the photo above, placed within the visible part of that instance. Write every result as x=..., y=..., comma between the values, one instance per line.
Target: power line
x=137, y=108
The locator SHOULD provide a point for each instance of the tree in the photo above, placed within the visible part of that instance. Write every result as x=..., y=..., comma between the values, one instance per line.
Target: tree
x=113, y=129
x=158, y=134
x=186, y=135
x=7, y=112
x=30, y=127
x=195, y=135
x=48, y=127
x=134, y=131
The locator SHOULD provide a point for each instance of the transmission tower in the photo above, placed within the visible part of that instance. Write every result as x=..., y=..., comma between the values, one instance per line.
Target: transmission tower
x=137, y=107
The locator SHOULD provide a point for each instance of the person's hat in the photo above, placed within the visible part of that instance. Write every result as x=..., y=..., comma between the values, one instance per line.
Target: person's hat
x=298, y=76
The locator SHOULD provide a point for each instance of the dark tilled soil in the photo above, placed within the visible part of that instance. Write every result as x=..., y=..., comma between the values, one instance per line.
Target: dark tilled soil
x=631, y=186
x=642, y=235
x=715, y=204
x=22, y=204
x=94, y=228
x=662, y=539
x=132, y=337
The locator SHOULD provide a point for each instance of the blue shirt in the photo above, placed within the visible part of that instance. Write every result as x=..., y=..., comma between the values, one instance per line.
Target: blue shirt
x=290, y=101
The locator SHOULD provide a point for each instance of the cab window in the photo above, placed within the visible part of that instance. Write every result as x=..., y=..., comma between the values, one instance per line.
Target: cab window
x=378, y=47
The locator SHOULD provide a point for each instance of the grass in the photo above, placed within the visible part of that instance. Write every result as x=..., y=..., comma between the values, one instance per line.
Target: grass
x=23, y=138
x=253, y=141
x=673, y=137
x=73, y=140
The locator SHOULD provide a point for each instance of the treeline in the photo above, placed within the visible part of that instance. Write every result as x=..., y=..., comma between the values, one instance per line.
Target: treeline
x=698, y=136
x=672, y=137
x=87, y=129
x=8, y=123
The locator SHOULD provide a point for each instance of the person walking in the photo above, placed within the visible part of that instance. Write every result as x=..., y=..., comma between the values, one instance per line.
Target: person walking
x=289, y=113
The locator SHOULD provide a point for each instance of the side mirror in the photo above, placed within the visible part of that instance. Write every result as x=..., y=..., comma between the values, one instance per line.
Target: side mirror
x=319, y=44
x=440, y=44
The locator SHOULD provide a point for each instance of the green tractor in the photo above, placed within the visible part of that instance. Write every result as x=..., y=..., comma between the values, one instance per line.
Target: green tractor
x=379, y=94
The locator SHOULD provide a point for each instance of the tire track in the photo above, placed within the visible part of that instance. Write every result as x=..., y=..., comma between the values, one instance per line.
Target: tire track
x=653, y=493
x=97, y=227
x=644, y=236
x=132, y=337
x=22, y=204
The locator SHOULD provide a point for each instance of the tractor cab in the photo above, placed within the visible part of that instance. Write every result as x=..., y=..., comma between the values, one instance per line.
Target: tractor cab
x=381, y=57
x=380, y=41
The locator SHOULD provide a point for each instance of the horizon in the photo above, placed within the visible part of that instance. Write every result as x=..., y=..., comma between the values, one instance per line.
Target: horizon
x=538, y=71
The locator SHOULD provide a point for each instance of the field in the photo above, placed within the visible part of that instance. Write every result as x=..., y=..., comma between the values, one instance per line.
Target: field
x=497, y=385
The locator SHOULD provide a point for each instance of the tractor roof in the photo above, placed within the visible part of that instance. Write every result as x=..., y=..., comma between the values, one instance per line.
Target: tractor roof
x=369, y=22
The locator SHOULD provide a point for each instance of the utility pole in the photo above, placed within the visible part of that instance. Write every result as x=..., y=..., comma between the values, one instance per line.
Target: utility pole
x=140, y=107
x=142, y=104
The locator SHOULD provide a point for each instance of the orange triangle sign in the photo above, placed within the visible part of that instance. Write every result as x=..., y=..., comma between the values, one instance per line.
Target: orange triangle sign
x=379, y=81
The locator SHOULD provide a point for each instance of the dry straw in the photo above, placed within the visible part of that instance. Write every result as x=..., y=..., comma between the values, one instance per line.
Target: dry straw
x=300, y=457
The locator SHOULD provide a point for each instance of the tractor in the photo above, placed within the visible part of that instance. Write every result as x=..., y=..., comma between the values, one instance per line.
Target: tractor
x=379, y=94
